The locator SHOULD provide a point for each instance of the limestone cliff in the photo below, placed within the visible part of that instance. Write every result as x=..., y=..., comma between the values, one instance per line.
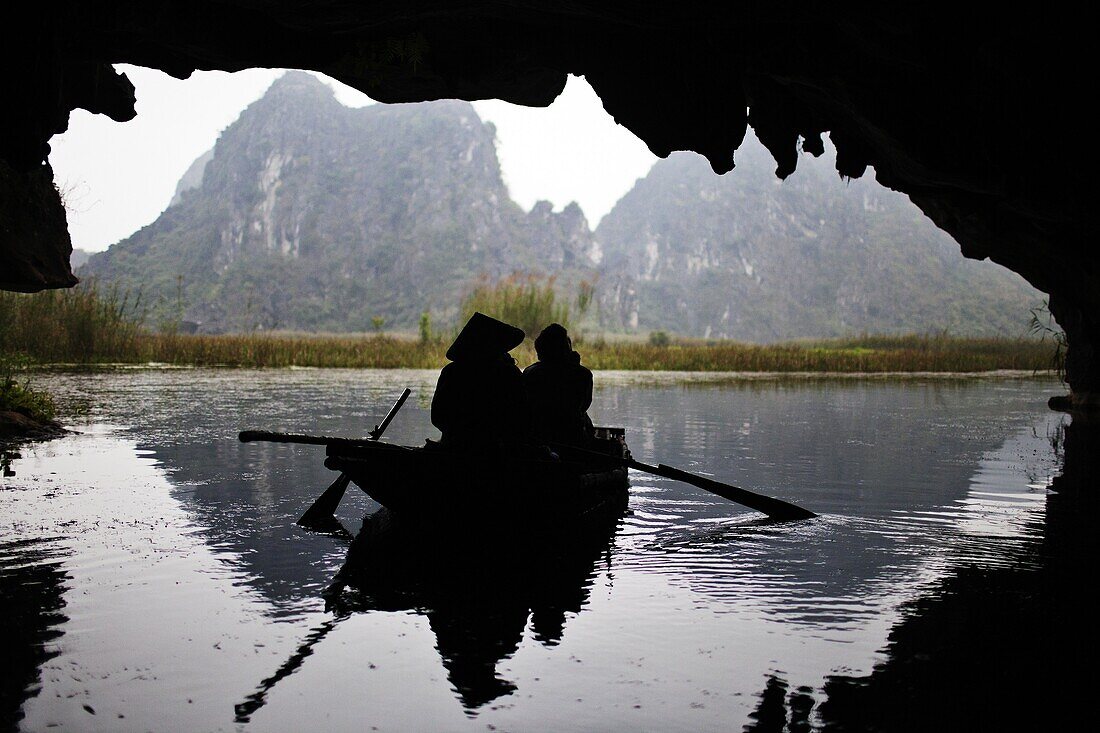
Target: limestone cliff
x=751, y=257
x=310, y=215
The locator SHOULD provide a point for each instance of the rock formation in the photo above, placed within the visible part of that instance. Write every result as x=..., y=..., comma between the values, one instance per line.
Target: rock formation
x=309, y=215
x=749, y=257
x=974, y=113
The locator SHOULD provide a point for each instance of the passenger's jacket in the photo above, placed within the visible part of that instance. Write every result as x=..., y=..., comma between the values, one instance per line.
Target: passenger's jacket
x=559, y=394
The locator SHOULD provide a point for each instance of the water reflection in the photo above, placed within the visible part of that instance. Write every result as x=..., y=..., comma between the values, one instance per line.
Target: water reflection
x=32, y=590
x=1004, y=647
x=932, y=494
x=479, y=594
x=6, y=458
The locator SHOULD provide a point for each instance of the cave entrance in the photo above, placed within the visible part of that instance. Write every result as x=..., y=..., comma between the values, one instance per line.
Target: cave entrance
x=744, y=256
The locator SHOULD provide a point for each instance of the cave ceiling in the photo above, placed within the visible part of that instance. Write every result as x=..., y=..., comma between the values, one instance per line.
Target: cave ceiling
x=978, y=116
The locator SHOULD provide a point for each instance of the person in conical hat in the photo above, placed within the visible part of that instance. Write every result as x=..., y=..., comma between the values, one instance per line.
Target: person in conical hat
x=480, y=399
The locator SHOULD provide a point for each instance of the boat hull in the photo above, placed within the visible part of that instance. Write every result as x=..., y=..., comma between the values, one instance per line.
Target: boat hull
x=451, y=515
x=435, y=486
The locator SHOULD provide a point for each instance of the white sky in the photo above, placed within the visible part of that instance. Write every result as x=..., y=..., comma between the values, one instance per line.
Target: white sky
x=118, y=177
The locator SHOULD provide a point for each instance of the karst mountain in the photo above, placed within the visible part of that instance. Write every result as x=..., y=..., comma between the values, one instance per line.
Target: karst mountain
x=311, y=216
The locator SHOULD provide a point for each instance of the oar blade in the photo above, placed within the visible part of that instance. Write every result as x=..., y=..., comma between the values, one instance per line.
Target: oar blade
x=320, y=514
x=774, y=508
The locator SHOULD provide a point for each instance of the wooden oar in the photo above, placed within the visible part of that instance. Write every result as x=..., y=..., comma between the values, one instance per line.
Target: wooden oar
x=266, y=436
x=783, y=511
x=320, y=513
x=775, y=508
x=379, y=429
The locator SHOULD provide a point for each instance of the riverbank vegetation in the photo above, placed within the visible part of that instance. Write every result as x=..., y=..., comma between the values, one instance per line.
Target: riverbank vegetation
x=526, y=301
x=17, y=394
x=91, y=326
x=85, y=324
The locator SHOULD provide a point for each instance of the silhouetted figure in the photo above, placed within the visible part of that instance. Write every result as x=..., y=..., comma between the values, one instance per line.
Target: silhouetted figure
x=559, y=390
x=479, y=399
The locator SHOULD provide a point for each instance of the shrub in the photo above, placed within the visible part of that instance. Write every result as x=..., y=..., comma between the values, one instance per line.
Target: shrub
x=659, y=338
x=425, y=327
x=526, y=301
x=1044, y=326
x=18, y=395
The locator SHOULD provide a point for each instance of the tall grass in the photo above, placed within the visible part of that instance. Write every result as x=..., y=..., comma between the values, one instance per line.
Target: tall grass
x=263, y=350
x=89, y=325
x=899, y=354
x=526, y=301
x=912, y=353
x=1044, y=326
x=84, y=324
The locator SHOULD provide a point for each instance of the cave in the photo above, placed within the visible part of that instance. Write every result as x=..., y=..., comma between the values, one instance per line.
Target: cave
x=974, y=114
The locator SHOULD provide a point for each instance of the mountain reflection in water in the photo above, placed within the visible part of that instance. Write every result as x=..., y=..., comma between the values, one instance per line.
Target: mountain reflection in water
x=692, y=615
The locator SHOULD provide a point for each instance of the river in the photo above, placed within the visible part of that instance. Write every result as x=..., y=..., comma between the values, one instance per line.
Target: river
x=154, y=565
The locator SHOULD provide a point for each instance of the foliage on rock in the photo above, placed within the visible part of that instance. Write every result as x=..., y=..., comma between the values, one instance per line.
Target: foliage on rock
x=17, y=394
x=310, y=216
x=313, y=216
x=747, y=256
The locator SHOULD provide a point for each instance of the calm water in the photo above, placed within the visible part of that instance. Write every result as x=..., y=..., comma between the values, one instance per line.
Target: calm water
x=170, y=582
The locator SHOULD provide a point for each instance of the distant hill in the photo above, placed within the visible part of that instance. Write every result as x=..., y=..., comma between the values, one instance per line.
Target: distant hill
x=310, y=215
x=79, y=257
x=747, y=256
x=192, y=177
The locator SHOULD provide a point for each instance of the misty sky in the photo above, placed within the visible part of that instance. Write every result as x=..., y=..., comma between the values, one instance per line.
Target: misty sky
x=118, y=177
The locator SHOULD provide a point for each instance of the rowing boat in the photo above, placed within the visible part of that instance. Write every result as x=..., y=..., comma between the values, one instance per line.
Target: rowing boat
x=442, y=488
x=532, y=486
x=457, y=515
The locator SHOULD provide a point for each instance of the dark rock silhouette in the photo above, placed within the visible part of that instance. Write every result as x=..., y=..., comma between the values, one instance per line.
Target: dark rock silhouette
x=16, y=426
x=32, y=588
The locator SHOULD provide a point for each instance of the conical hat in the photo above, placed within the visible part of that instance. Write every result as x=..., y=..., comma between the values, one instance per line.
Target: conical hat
x=483, y=336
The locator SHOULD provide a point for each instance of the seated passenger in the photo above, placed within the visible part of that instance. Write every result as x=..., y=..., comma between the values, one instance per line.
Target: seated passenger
x=559, y=390
x=480, y=400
